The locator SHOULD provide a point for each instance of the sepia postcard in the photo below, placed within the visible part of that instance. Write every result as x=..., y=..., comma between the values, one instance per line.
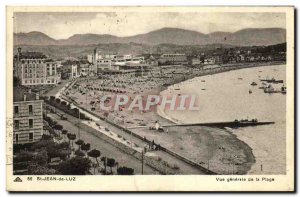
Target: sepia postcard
x=150, y=99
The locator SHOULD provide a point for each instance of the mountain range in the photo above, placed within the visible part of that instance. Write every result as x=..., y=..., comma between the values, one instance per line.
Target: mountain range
x=244, y=37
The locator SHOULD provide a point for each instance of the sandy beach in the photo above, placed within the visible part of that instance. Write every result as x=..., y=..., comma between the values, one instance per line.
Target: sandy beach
x=217, y=149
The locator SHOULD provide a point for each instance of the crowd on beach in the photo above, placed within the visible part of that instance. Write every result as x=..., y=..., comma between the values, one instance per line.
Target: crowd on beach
x=88, y=92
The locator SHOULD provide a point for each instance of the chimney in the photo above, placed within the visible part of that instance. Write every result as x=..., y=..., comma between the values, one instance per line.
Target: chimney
x=25, y=97
x=94, y=56
x=37, y=96
x=19, y=53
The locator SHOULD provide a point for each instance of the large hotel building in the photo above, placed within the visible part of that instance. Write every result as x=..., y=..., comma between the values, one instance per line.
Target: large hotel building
x=34, y=68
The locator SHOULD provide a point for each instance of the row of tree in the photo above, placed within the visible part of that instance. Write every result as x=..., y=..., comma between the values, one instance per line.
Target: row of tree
x=84, y=151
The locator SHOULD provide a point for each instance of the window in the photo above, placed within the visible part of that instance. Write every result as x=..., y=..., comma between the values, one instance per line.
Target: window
x=16, y=124
x=17, y=137
x=16, y=109
x=30, y=109
x=30, y=123
x=30, y=137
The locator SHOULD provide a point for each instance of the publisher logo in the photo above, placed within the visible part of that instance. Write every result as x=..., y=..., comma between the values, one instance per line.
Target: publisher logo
x=18, y=179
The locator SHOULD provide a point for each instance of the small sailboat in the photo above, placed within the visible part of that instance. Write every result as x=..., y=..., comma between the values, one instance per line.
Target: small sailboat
x=283, y=89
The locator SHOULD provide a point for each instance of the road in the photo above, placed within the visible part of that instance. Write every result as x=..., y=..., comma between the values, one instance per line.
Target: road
x=184, y=168
x=71, y=126
x=106, y=149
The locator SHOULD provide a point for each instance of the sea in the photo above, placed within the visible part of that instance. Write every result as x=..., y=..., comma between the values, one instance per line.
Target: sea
x=228, y=96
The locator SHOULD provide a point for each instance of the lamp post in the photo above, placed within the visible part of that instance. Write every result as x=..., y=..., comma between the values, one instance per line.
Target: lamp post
x=142, y=162
x=78, y=123
x=233, y=162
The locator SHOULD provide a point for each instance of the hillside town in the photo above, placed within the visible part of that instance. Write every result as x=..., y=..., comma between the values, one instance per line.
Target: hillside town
x=48, y=93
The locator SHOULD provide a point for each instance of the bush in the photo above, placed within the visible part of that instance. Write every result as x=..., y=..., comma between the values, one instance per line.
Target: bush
x=20, y=166
x=52, y=98
x=63, y=103
x=75, y=166
x=57, y=100
x=125, y=171
x=18, y=147
x=41, y=170
x=79, y=153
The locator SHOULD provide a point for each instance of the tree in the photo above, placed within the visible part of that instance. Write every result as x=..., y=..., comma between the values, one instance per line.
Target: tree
x=79, y=153
x=79, y=143
x=52, y=98
x=50, y=121
x=64, y=153
x=16, y=81
x=103, y=159
x=40, y=158
x=71, y=137
x=111, y=163
x=64, y=103
x=95, y=154
x=57, y=100
x=125, y=171
x=86, y=147
x=58, y=127
x=75, y=166
x=23, y=156
x=64, y=132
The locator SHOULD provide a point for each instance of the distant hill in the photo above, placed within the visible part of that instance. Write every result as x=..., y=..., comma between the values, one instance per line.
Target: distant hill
x=258, y=37
x=245, y=37
x=33, y=38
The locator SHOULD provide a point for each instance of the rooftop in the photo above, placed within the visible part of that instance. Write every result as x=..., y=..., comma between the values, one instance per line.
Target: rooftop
x=31, y=55
x=18, y=95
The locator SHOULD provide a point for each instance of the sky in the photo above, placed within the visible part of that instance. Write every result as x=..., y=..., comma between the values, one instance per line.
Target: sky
x=65, y=24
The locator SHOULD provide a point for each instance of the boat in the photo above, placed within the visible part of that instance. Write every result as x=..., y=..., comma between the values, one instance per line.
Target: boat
x=250, y=91
x=240, y=78
x=203, y=89
x=270, y=89
x=202, y=80
x=283, y=89
x=253, y=83
x=273, y=80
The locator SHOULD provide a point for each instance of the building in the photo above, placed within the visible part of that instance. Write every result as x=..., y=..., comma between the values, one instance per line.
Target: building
x=209, y=60
x=169, y=59
x=86, y=68
x=27, y=116
x=35, y=68
x=70, y=69
x=194, y=61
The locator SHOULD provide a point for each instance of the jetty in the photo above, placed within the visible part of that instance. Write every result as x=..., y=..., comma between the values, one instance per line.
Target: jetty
x=230, y=124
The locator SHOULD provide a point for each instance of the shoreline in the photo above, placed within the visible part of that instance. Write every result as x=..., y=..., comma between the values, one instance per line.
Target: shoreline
x=210, y=137
x=248, y=150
